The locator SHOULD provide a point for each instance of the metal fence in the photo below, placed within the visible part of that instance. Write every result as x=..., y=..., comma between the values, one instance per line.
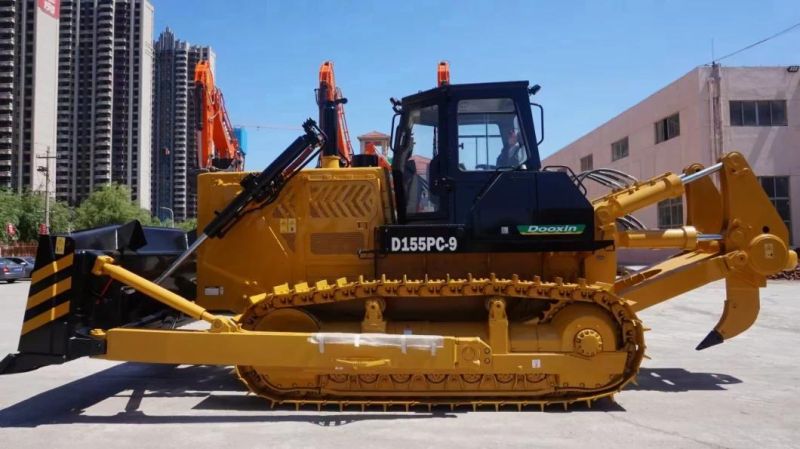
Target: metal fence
x=18, y=250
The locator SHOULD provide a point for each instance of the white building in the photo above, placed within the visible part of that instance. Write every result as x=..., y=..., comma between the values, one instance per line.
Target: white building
x=759, y=116
x=28, y=76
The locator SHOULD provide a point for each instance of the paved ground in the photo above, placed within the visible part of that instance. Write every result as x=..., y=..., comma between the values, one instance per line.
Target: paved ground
x=742, y=394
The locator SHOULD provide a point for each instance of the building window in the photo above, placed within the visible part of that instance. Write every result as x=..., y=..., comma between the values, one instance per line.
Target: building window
x=777, y=189
x=758, y=113
x=587, y=163
x=667, y=128
x=619, y=149
x=670, y=213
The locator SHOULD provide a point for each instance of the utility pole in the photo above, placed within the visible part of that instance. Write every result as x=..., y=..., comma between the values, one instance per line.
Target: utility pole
x=46, y=170
x=716, y=108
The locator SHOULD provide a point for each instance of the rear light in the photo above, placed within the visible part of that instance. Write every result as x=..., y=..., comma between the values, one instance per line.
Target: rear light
x=5, y=269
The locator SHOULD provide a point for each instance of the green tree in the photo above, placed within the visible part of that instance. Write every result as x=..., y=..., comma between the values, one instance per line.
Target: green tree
x=110, y=204
x=26, y=212
x=155, y=221
x=9, y=213
x=187, y=225
x=31, y=215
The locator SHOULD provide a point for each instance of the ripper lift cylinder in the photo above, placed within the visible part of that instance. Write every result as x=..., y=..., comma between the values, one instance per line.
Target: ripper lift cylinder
x=624, y=202
x=683, y=238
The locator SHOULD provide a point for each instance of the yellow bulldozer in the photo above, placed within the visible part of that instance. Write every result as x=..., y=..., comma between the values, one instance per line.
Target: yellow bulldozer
x=468, y=274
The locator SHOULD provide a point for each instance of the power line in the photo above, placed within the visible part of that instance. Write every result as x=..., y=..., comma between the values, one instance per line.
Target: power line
x=796, y=25
x=269, y=126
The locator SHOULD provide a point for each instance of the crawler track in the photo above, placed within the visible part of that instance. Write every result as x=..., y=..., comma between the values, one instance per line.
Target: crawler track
x=404, y=390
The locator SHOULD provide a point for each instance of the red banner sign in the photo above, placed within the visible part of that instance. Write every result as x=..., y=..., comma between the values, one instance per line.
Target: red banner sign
x=50, y=7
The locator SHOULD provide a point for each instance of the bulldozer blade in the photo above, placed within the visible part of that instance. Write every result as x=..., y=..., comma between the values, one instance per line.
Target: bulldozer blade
x=66, y=301
x=130, y=236
x=21, y=363
x=742, y=305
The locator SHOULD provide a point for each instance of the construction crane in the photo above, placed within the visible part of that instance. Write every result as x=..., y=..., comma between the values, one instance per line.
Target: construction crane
x=264, y=126
x=462, y=278
x=217, y=146
x=332, y=120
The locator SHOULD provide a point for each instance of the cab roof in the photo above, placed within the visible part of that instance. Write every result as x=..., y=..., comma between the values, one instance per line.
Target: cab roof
x=504, y=88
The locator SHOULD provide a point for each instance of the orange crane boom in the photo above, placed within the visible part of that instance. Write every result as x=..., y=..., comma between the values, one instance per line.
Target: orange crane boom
x=217, y=147
x=333, y=121
x=331, y=115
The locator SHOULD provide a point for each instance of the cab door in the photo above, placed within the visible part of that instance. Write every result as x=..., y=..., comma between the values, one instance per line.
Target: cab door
x=487, y=138
x=419, y=164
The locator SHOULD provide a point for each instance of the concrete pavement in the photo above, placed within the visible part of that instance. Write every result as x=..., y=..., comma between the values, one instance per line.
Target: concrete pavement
x=741, y=394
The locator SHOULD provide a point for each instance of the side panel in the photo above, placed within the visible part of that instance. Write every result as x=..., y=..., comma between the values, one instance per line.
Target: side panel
x=314, y=231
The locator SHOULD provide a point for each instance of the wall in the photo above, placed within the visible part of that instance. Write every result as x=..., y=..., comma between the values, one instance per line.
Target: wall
x=688, y=97
x=771, y=150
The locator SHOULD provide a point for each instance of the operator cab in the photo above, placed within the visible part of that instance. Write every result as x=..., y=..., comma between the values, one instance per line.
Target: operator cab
x=466, y=161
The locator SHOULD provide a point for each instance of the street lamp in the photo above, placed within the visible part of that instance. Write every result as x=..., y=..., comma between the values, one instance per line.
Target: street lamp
x=171, y=216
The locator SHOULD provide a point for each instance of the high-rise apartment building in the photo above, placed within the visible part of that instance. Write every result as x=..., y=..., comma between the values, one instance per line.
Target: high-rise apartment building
x=105, y=70
x=28, y=57
x=174, y=161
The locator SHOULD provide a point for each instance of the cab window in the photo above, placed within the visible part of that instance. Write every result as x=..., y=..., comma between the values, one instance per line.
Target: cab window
x=422, y=137
x=489, y=136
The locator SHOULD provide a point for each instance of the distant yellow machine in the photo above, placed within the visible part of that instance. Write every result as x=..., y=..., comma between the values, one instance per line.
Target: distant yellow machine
x=467, y=275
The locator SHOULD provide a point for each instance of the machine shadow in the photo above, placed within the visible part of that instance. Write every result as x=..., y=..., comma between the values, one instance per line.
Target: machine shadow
x=214, y=386
x=673, y=380
x=216, y=389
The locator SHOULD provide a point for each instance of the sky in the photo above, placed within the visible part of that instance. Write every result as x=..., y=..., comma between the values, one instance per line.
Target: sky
x=593, y=59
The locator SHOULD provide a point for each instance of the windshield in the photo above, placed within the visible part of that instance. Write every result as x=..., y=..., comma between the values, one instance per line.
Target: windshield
x=489, y=135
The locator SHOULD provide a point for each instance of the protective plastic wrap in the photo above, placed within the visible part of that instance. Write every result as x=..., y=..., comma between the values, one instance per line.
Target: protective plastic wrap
x=404, y=342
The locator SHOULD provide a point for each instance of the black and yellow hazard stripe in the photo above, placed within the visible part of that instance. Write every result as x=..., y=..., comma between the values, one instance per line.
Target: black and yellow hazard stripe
x=49, y=294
